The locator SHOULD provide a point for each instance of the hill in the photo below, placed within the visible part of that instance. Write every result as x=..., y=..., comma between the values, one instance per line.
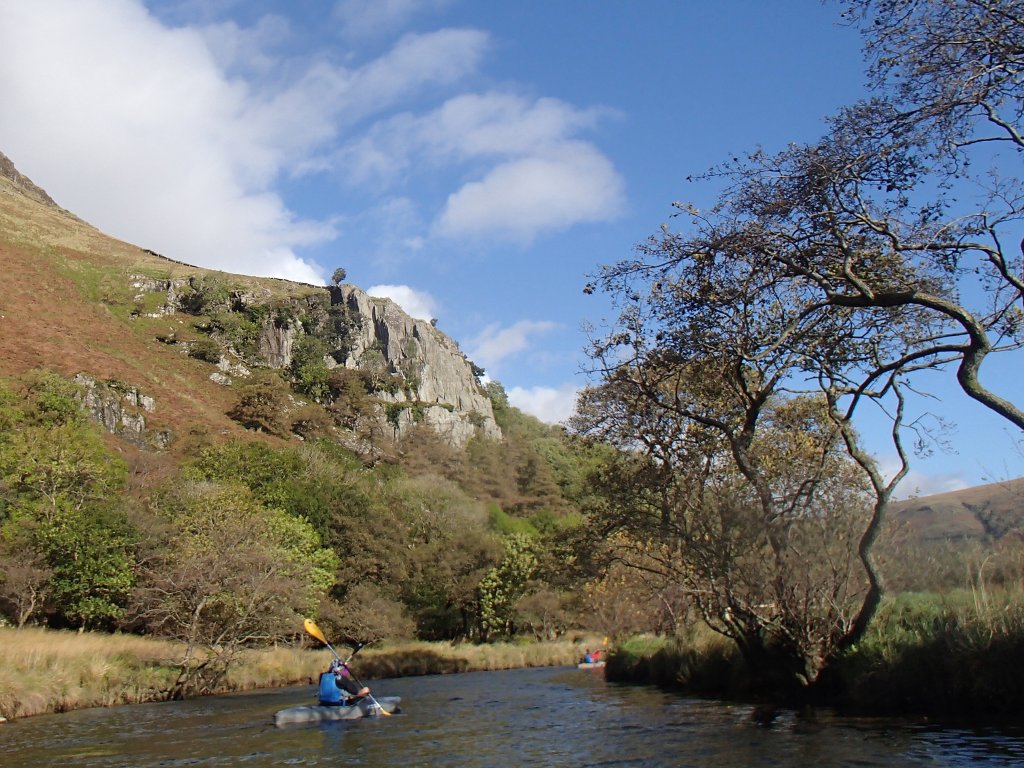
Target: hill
x=172, y=347
x=984, y=512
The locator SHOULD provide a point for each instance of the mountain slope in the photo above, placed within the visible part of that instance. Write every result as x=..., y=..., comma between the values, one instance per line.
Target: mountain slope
x=982, y=512
x=80, y=302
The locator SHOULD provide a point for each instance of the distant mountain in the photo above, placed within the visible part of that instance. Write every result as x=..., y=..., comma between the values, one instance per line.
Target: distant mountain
x=166, y=349
x=984, y=512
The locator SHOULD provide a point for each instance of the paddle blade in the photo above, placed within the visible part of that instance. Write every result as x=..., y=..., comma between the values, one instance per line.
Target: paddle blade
x=314, y=630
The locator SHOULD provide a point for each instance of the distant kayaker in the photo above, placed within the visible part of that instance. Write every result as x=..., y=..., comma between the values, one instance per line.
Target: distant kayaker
x=337, y=685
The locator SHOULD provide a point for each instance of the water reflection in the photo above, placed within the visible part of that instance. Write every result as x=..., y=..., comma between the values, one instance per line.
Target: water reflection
x=547, y=717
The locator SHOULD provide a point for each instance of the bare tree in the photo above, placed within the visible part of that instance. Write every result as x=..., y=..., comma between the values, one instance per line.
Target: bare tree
x=837, y=270
x=223, y=574
x=24, y=583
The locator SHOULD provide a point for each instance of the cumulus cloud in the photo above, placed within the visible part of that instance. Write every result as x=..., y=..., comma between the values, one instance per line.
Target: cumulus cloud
x=496, y=343
x=920, y=482
x=167, y=137
x=552, y=405
x=161, y=154
x=528, y=172
x=529, y=196
x=418, y=304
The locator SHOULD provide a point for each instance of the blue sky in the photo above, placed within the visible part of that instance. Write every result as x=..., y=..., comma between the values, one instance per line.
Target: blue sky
x=475, y=161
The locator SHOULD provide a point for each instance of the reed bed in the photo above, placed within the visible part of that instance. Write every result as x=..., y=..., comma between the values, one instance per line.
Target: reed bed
x=46, y=671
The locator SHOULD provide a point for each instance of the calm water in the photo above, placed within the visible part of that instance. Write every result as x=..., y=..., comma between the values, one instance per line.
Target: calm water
x=546, y=717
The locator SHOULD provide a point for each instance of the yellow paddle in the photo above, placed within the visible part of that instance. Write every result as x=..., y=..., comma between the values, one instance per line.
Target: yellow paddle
x=315, y=631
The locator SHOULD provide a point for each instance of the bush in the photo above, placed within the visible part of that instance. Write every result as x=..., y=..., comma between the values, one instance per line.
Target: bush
x=207, y=350
x=945, y=654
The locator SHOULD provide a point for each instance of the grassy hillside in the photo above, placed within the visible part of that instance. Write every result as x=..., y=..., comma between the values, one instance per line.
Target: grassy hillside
x=981, y=512
x=69, y=304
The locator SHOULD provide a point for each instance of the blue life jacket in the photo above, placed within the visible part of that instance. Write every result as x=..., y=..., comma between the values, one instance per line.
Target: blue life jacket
x=330, y=693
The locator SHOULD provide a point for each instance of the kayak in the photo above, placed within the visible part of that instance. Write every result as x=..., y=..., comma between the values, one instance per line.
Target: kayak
x=590, y=665
x=318, y=713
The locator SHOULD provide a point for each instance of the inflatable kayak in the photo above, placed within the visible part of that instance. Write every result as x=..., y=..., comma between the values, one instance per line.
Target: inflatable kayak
x=590, y=665
x=317, y=713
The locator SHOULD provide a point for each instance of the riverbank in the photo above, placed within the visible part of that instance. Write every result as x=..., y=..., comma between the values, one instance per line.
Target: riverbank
x=45, y=671
x=926, y=654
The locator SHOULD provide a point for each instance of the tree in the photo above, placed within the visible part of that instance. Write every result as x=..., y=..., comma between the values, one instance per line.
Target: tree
x=61, y=510
x=223, y=572
x=844, y=267
x=261, y=406
x=504, y=586
x=744, y=499
x=24, y=583
x=339, y=276
x=309, y=369
x=909, y=202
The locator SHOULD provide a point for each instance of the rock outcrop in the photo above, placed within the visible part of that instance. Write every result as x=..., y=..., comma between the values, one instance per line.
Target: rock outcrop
x=439, y=387
x=121, y=409
x=418, y=375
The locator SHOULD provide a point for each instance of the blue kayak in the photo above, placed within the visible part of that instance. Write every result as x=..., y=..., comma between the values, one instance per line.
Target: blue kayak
x=318, y=713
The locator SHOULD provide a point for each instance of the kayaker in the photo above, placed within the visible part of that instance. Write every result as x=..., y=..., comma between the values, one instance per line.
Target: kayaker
x=337, y=685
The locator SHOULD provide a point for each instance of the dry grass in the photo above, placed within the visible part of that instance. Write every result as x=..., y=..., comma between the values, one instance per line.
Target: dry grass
x=67, y=305
x=44, y=671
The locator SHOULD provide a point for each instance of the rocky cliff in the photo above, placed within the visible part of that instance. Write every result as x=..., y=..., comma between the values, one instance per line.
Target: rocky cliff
x=439, y=386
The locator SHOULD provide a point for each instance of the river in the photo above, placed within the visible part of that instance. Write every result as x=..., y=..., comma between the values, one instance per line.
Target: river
x=536, y=717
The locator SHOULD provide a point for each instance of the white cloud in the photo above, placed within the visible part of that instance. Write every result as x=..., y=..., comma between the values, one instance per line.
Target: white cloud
x=550, y=405
x=495, y=343
x=360, y=19
x=169, y=138
x=918, y=483
x=418, y=304
x=415, y=61
x=134, y=127
x=476, y=125
x=528, y=173
x=525, y=197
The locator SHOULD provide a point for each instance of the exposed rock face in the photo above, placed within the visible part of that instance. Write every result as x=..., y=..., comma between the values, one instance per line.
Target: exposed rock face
x=275, y=344
x=439, y=386
x=419, y=374
x=121, y=410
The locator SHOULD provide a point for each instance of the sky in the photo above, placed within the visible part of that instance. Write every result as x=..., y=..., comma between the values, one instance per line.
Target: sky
x=475, y=161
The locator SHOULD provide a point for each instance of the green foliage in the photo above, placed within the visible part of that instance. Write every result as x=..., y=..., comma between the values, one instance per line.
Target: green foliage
x=225, y=572
x=207, y=350
x=311, y=374
x=60, y=488
x=943, y=654
x=239, y=330
x=351, y=405
x=268, y=472
x=53, y=399
x=90, y=554
x=209, y=293
x=503, y=411
x=344, y=324
x=339, y=275
x=507, y=525
x=504, y=585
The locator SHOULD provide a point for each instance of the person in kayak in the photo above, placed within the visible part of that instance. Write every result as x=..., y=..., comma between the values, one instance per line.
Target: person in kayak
x=337, y=686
